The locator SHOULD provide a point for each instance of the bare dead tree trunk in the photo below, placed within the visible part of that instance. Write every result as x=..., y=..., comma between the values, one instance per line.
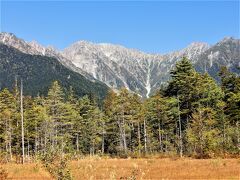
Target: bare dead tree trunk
x=166, y=148
x=10, y=145
x=6, y=140
x=124, y=136
x=160, y=136
x=45, y=142
x=180, y=131
x=9, y=137
x=36, y=141
x=62, y=146
x=238, y=134
x=6, y=147
x=103, y=141
x=77, y=143
x=224, y=135
x=22, y=125
x=120, y=134
x=145, y=135
x=28, y=148
x=139, y=139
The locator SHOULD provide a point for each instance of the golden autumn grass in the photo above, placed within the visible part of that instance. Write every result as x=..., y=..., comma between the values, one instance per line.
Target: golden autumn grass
x=26, y=171
x=167, y=168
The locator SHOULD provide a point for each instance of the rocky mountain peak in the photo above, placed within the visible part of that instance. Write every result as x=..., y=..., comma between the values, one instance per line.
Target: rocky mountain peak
x=27, y=47
x=6, y=37
x=198, y=47
x=118, y=66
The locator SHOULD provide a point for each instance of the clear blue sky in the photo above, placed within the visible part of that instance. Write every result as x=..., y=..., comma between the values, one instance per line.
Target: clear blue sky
x=153, y=26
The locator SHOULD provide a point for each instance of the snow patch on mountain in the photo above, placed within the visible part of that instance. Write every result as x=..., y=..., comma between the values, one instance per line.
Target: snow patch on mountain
x=118, y=66
x=134, y=69
x=212, y=56
x=148, y=84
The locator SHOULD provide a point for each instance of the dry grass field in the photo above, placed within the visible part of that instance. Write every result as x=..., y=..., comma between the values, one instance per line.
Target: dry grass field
x=27, y=171
x=136, y=169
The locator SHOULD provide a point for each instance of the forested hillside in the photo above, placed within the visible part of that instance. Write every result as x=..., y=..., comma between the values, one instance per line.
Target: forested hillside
x=192, y=116
x=38, y=72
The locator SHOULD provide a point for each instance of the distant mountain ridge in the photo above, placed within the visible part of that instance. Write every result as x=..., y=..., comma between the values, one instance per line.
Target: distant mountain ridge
x=38, y=73
x=144, y=73
x=35, y=48
x=140, y=72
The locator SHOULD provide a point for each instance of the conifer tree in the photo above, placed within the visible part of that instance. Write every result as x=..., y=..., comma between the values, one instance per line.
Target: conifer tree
x=192, y=116
x=112, y=131
x=183, y=79
x=230, y=83
x=55, y=108
x=7, y=112
x=162, y=115
x=203, y=132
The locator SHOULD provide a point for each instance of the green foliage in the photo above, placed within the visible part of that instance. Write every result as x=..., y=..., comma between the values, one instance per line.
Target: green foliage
x=89, y=126
x=161, y=114
x=203, y=136
x=38, y=73
x=182, y=78
x=192, y=114
x=56, y=165
x=7, y=116
x=230, y=83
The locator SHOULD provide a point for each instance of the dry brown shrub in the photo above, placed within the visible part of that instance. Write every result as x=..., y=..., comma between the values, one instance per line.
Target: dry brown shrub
x=3, y=173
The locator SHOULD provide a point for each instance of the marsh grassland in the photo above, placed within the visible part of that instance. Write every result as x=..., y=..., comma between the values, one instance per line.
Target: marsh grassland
x=167, y=168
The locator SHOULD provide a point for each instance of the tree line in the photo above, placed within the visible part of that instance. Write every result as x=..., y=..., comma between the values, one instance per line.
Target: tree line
x=191, y=116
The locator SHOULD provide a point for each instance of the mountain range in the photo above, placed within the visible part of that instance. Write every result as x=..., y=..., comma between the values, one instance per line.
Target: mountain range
x=39, y=71
x=118, y=66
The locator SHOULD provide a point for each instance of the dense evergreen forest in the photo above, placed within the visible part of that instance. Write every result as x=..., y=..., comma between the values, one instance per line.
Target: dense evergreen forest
x=191, y=116
x=38, y=72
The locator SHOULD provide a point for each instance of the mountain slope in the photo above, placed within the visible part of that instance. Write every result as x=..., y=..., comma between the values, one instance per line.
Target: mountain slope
x=35, y=48
x=224, y=53
x=38, y=72
x=143, y=73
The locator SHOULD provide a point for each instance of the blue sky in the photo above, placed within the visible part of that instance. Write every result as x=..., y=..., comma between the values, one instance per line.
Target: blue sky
x=155, y=26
